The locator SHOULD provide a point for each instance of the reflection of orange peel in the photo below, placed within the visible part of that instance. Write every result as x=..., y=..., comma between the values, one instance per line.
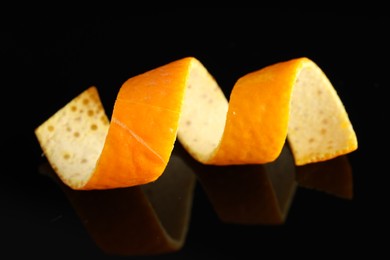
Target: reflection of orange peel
x=147, y=219
x=154, y=218
x=292, y=99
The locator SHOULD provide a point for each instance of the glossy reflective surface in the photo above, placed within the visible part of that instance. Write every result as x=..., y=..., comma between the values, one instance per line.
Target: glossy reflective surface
x=51, y=58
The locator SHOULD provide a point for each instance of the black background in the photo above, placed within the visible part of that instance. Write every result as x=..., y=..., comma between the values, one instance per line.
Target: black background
x=49, y=57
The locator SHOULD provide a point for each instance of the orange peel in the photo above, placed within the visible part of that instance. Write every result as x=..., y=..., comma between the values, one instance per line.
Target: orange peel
x=291, y=100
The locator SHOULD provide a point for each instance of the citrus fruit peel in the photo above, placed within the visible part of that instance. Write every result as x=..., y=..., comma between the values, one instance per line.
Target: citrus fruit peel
x=291, y=100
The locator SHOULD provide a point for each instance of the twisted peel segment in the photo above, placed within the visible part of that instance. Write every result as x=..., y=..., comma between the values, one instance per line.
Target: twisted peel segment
x=181, y=100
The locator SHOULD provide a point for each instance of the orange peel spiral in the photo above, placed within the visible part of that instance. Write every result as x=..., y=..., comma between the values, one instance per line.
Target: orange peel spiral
x=291, y=100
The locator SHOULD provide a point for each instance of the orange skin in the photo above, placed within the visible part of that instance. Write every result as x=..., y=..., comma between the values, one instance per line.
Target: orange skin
x=137, y=150
x=147, y=111
x=258, y=113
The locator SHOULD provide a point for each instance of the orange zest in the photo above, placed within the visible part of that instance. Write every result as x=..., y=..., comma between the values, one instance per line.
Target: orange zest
x=291, y=100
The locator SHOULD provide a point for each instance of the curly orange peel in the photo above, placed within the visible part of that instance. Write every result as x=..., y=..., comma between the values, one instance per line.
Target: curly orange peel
x=291, y=100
